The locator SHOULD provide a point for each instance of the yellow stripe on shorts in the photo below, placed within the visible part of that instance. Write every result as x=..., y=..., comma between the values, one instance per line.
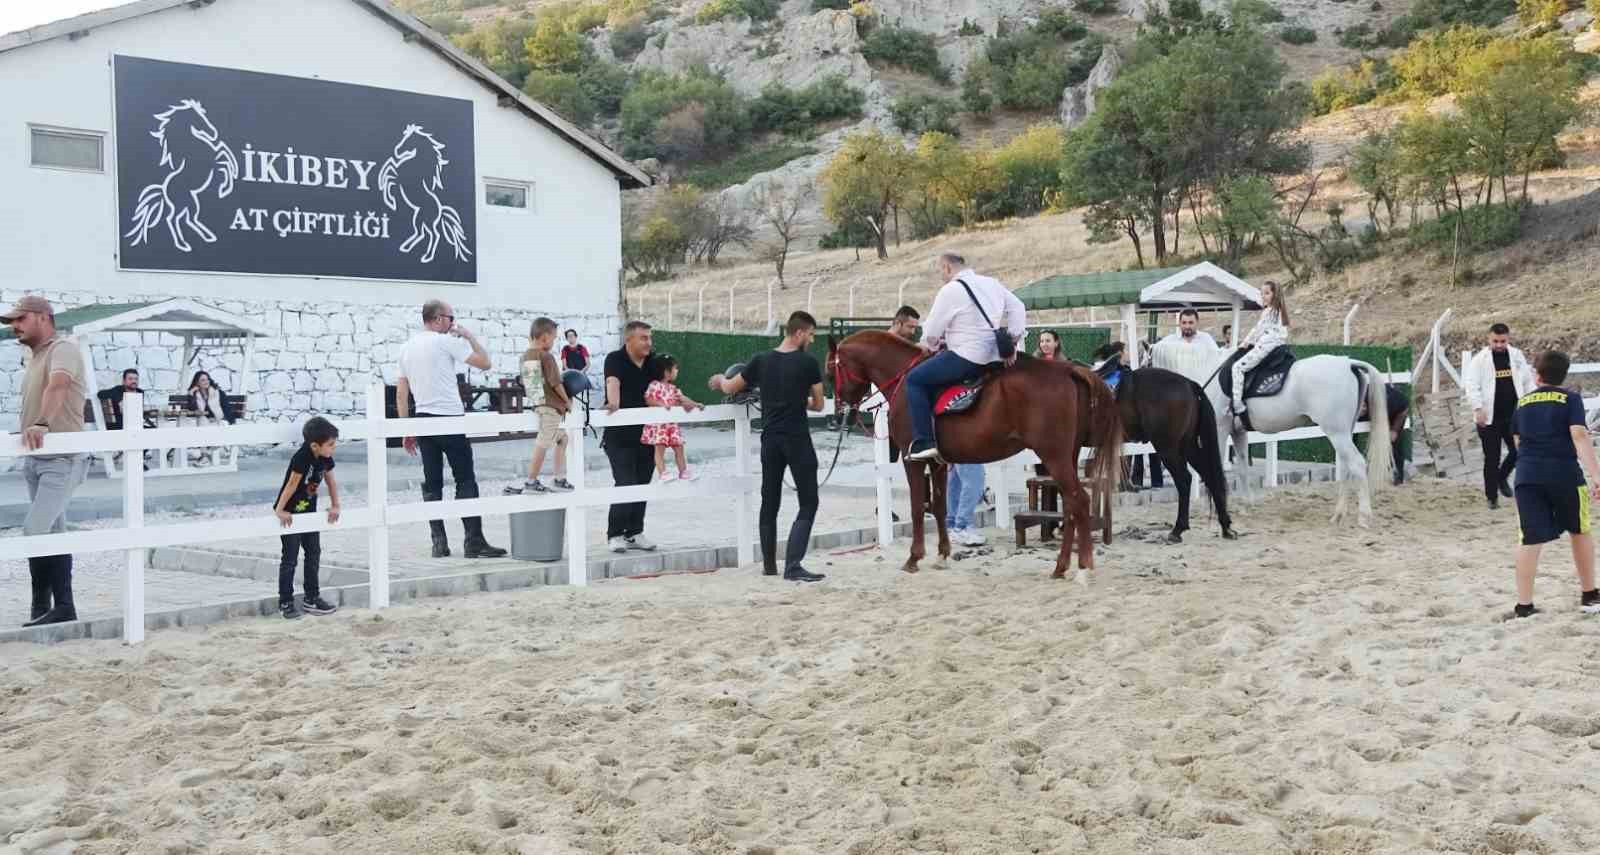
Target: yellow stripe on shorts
x=1583, y=509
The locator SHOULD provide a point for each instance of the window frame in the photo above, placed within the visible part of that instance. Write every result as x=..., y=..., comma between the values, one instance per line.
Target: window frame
x=98, y=136
x=510, y=183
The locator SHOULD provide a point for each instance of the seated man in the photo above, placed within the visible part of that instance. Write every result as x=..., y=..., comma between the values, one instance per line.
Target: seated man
x=965, y=314
x=130, y=383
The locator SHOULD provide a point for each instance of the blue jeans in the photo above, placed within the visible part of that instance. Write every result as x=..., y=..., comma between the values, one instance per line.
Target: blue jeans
x=926, y=381
x=963, y=494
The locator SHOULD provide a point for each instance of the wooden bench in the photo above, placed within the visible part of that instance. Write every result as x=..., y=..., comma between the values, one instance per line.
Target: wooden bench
x=1044, y=511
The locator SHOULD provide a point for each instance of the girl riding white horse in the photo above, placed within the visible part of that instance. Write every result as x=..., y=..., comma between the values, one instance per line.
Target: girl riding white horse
x=1270, y=333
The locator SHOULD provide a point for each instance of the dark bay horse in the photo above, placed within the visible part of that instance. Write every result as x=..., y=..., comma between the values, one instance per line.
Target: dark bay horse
x=1054, y=408
x=1172, y=413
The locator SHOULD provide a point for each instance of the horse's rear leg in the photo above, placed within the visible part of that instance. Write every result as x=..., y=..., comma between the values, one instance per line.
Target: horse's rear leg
x=917, y=480
x=1213, y=479
x=1350, y=464
x=1178, y=468
x=1078, y=501
x=939, y=488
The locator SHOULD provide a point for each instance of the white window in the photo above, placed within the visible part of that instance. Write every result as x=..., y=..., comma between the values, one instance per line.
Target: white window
x=501, y=193
x=58, y=148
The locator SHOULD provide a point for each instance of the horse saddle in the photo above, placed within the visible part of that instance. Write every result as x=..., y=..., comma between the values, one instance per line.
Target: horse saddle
x=960, y=397
x=1264, y=380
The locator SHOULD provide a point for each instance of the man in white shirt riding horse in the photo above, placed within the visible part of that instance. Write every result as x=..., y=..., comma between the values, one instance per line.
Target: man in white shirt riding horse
x=965, y=314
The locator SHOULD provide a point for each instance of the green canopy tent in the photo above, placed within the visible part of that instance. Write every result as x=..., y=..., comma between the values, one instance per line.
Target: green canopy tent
x=1167, y=289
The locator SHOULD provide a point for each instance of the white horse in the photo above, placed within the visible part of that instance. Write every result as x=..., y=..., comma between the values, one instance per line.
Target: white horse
x=1326, y=391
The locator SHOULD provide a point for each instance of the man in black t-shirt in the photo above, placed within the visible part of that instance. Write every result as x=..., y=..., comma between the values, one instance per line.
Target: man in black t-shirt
x=1552, y=498
x=790, y=382
x=309, y=468
x=629, y=372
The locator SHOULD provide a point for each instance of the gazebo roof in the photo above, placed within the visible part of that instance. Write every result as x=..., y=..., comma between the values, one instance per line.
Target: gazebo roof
x=1203, y=284
x=177, y=316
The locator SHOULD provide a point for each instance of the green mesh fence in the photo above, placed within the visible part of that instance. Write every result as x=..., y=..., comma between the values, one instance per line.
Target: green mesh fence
x=1397, y=359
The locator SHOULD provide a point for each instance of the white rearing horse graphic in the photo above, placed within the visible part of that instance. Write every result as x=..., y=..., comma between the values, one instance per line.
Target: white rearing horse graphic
x=196, y=155
x=416, y=170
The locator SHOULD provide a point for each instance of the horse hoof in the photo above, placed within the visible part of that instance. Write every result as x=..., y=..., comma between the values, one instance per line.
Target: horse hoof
x=1174, y=537
x=1229, y=534
x=909, y=568
x=1059, y=574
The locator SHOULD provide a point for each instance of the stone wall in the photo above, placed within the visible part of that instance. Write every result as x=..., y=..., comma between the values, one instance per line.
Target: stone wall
x=320, y=360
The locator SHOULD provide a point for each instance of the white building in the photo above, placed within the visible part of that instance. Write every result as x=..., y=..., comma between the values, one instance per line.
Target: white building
x=319, y=167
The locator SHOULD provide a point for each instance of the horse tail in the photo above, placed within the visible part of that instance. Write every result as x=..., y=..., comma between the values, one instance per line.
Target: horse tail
x=1380, y=456
x=1210, y=450
x=147, y=212
x=451, y=230
x=1105, y=429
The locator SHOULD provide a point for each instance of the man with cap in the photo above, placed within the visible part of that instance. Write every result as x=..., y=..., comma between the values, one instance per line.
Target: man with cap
x=53, y=393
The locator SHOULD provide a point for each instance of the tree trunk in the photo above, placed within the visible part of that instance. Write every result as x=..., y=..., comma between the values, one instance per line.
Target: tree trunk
x=1158, y=236
x=1132, y=228
x=1177, y=226
x=1194, y=212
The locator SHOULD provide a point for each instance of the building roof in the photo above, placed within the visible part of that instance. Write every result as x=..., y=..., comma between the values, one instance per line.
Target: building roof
x=178, y=317
x=628, y=175
x=1203, y=284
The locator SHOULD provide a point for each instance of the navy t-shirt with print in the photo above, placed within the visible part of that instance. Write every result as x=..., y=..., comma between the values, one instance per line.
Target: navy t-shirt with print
x=1543, y=425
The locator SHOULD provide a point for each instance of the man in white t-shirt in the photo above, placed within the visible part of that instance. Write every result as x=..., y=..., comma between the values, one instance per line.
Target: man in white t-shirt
x=428, y=364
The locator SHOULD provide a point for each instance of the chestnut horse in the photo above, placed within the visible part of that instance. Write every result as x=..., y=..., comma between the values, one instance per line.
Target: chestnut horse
x=1054, y=408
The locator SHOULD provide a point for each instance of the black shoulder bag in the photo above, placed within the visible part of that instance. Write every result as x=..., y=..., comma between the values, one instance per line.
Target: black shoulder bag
x=1002, y=336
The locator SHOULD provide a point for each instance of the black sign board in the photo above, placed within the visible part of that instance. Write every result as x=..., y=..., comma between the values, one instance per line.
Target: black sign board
x=235, y=171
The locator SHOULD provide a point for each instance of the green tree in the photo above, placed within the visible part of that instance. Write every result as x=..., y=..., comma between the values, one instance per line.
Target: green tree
x=1244, y=208
x=1376, y=167
x=699, y=96
x=556, y=46
x=501, y=45
x=916, y=114
x=956, y=177
x=1516, y=96
x=865, y=180
x=561, y=91
x=1431, y=65
x=1029, y=167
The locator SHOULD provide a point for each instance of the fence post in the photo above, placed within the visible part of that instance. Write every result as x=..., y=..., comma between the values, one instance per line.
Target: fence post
x=1272, y=466
x=700, y=309
x=880, y=459
x=811, y=291
x=133, y=518
x=771, y=320
x=900, y=296
x=852, y=299
x=744, y=505
x=377, y=499
x=1002, y=494
x=730, y=306
x=1348, y=319
x=577, y=515
x=673, y=288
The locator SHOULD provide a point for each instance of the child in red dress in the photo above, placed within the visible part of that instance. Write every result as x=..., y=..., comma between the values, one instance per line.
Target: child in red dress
x=663, y=393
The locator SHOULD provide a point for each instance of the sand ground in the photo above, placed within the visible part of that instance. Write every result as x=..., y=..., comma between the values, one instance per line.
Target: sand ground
x=1300, y=690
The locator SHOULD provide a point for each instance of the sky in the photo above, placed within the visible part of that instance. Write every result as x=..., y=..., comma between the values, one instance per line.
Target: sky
x=22, y=14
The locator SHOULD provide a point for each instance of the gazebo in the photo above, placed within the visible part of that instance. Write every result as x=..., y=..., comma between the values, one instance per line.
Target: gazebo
x=200, y=326
x=1202, y=286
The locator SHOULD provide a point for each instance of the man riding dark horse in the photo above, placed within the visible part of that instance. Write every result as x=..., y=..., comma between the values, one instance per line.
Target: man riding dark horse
x=973, y=317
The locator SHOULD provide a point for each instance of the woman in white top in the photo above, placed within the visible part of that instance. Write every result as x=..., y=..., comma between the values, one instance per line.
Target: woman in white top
x=206, y=399
x=1271, y=331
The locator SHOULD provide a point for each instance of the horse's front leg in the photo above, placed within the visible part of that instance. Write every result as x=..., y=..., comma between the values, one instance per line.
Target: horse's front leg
x=917, y=480
x=939, y=488
x=1081, y=512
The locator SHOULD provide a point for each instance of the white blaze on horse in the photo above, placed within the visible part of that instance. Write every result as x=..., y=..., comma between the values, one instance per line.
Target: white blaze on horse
x=195, y=155
x=1331, y=392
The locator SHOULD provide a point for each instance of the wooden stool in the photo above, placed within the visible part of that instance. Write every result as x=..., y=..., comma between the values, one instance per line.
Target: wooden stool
x=1044, y=511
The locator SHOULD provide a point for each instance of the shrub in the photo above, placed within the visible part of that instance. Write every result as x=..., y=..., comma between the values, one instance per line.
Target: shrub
x=974, y=88
x=654, y=96
x=1254, y=12
x=604, y=84
x=755, y=10
x=1339, y=88
x=969, y=28
x=791, y=111
x=1484, y=227
x=1030, y=172
x=918, y=114
x=446, y=24
x=906, y=49
x=1594, y=9
x=1540, y=12
x=561, y=91
x=629, y=39
x=1356, y=37
x=833, y=5
x=1297, y=35
x=1058, y=22
x=1095, y=7
x=1432, y=65
x=746, y=165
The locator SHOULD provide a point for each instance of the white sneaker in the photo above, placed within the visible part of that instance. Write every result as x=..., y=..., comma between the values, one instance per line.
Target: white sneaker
x=1591, y=609
x=618, y=544
x=970, y=537
x=666, y=477
x=639, y=541
x=688, y=475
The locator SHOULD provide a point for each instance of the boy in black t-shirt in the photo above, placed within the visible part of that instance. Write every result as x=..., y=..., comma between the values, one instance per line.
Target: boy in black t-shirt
x=790, y=381
x=1551, y=496
x=309, y=469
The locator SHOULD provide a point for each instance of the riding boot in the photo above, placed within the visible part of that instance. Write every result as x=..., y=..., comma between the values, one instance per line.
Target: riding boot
x=59, y=570
x=769, y=548
x=475, y=546
x=39, y=574
x=441, y=541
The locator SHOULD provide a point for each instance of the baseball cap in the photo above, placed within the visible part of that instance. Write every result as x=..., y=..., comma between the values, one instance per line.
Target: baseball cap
x=29, y=303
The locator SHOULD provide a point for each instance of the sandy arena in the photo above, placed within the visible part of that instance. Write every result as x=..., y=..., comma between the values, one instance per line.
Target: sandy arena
x=1298, y=691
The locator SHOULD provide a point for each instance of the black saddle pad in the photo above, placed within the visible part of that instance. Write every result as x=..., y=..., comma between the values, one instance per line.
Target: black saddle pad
x=1262, y=381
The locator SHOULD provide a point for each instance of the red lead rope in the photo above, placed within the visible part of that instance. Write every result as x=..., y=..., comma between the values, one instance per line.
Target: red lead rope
x=842, y=374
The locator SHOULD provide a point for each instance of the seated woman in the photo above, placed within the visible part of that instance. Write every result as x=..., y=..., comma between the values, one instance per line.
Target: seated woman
x=1270, y=333
x=209, y=402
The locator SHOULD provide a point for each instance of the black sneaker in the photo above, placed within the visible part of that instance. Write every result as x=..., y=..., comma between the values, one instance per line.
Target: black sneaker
x=535, y=486
x=562, y=484
x=512, y=490
x=801, y=574
x=1505, y=489
x=317, y=606
x=289, y=610
x=1494, y=503
x=479, y=548
x=1590, y=603
x=1528, y=610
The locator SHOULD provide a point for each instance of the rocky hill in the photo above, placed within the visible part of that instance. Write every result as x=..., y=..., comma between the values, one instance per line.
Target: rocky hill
x=803, y=44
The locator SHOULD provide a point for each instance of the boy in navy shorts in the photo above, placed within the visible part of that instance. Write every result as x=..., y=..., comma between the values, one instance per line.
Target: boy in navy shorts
x=1552, y=499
